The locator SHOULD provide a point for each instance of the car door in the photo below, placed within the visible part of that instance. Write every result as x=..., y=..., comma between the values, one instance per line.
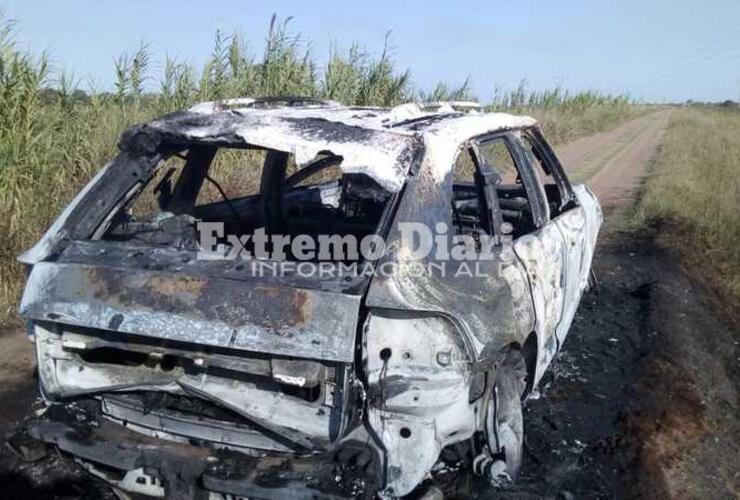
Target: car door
x=537, y=241
x=572, y=226
x=567, y=215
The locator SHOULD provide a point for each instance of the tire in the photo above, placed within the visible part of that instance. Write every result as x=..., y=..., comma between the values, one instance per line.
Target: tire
x=504, y=424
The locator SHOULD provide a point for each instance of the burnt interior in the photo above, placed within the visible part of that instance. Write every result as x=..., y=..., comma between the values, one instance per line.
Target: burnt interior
x=313, y=199
x=514, y=201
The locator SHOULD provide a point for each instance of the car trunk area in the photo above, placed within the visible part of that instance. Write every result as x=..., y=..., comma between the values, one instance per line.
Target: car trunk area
x=189, y=393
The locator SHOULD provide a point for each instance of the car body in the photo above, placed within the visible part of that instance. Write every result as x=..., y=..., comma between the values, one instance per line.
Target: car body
x=171, y=371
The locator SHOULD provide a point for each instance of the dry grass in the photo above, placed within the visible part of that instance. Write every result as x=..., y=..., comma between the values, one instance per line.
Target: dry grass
x=695, y=184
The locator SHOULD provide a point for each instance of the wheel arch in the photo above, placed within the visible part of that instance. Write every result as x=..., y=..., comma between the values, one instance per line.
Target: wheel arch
x=529, y=350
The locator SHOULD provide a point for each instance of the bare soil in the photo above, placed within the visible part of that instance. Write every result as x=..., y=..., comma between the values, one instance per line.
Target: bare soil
x=642, y=402
x=613, y=162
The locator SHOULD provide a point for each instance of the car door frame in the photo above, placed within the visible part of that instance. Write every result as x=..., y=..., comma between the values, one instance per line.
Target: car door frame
x=552, y=163
x=541, y=252
x=571, y=221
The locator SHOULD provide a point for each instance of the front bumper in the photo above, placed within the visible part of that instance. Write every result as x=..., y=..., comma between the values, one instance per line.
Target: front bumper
x=189, y=471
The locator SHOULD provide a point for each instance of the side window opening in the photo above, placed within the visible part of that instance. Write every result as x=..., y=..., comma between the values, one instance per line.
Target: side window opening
x=320, y=195
x=238, y=173
x=557, y=185
x=248, y=189
x=497, y=154
x=513, y=198
x=537, y=159
x=467, y=217
x=325, y=169
x=155, y=193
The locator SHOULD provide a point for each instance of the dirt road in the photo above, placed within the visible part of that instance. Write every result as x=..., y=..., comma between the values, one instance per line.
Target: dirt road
x=640, y=402
x=613, y=162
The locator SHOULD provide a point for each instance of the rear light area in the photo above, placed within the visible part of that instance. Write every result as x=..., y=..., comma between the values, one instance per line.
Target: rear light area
x=189, y=392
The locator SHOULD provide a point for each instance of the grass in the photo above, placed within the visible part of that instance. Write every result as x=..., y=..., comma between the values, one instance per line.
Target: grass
x=54, y=136
x=563, y=115
x=695, y=186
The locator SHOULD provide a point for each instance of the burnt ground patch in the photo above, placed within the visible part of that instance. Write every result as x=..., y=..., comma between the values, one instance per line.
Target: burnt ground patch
x=50, y=477
x=642, y=401
x=574, y=422
x=574, y=437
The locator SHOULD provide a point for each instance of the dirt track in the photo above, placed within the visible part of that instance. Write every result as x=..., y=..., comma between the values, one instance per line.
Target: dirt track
x=642, y=401
x=613, y=162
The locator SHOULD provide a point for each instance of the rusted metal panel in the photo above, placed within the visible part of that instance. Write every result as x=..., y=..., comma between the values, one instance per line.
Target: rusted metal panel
x=213, y=312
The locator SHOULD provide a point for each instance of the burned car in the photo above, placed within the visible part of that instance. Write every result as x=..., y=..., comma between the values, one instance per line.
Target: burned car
x=178, y=359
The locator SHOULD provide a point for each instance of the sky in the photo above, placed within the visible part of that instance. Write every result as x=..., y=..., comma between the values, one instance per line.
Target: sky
x=655, y=50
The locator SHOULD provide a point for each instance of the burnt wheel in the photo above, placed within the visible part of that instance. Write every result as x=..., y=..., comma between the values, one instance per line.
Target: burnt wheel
x=504, y=428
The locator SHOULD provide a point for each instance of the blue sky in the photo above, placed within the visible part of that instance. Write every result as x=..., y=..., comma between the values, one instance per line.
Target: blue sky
x=657, y=50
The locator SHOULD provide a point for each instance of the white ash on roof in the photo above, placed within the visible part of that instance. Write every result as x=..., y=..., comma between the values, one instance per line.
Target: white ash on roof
x=378, y=142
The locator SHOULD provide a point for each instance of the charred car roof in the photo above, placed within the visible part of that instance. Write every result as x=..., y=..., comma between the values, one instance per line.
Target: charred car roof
x=374, y=141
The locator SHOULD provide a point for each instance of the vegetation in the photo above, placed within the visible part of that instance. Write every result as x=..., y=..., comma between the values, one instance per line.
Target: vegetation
x=564, y=115
x=695, y=184
x=54, y=136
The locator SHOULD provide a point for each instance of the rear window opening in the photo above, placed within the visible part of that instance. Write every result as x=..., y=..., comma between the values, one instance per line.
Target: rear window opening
x=245, y=190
